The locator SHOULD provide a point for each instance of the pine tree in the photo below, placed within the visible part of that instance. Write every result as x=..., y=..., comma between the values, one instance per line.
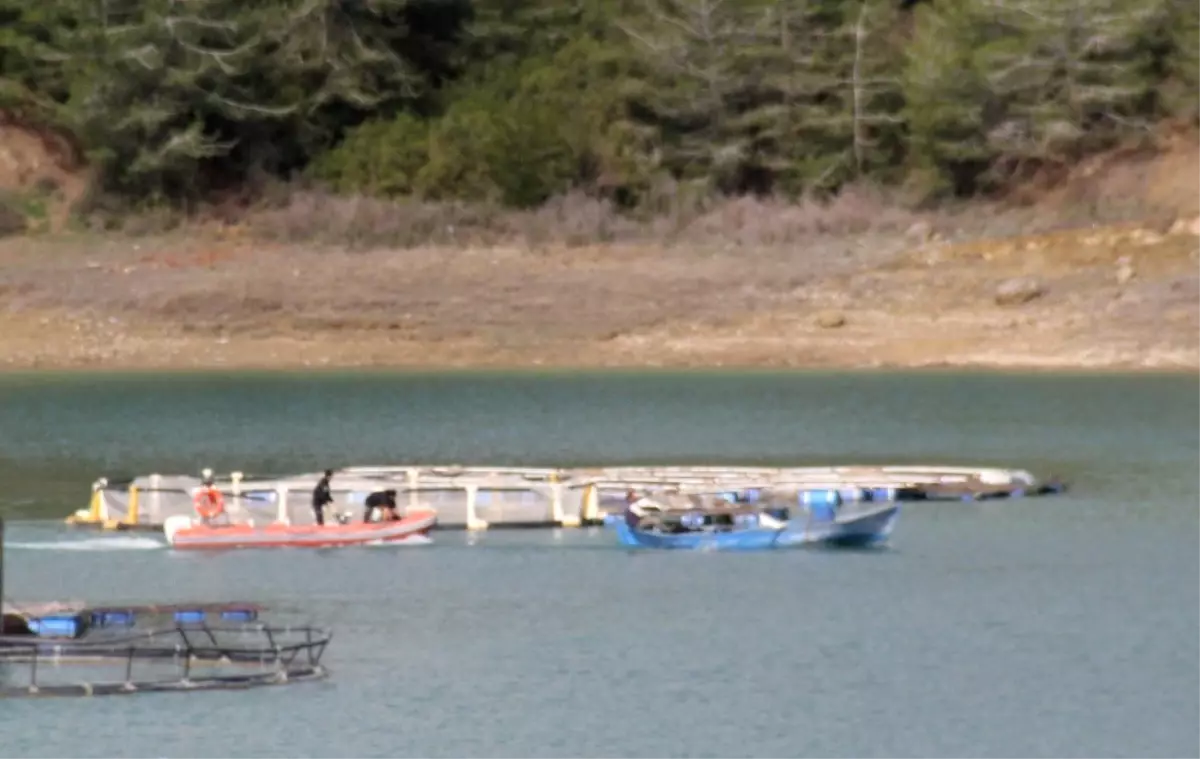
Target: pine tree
x=833, y=112
x=1173, y=41
x=1065, y=76
x=33, y=82
x=694, y=85
x=996, y=88
x=946, y=100
x=180, y=98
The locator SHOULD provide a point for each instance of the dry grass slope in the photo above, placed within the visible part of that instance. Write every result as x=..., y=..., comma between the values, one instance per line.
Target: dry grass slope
x=1110, y=255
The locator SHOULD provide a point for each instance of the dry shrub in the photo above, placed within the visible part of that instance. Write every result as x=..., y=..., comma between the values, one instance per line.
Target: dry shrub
x=151, y=222
x=772, y=222
x=689, y=214
x=360, y=222
x=571, y=220
x=12, y=221
x=689, y=219
x=578, y=219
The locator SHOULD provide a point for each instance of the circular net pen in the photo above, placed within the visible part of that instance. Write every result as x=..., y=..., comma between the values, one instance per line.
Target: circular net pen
x=181, y=658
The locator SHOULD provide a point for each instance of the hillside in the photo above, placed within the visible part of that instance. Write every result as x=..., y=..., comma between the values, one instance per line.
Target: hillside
x=652, y=105
x=600, y=182
x=1103, y=269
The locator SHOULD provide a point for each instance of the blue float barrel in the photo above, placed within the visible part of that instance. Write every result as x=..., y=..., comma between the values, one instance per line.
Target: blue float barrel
x=821, y=503
x=186, y=616
x=112, y=618
x=57, y=626
x=819, y=497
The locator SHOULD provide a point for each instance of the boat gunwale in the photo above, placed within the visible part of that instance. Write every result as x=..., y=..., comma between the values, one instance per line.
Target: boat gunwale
x=239, y=535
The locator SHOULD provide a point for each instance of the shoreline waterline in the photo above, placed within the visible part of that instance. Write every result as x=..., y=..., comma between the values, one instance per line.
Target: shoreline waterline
x=533, y=369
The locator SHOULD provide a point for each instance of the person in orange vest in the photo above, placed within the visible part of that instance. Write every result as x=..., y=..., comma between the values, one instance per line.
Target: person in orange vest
x=208, y=501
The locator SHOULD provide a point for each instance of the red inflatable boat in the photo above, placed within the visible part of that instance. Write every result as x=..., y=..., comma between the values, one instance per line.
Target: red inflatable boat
x=184, y=532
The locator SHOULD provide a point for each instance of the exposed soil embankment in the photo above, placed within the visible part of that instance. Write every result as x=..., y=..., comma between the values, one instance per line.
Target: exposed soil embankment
x=751, y=284
x=1118, y=297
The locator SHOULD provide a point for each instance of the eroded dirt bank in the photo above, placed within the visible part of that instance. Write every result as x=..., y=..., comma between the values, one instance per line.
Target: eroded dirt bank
x=1123, y=296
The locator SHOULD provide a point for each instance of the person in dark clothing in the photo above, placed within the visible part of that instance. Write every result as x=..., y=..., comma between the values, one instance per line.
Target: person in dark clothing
x=385, y=500
x=321, y=496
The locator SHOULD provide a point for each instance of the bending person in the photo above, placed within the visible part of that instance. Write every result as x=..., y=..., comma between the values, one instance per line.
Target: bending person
x=385, y=500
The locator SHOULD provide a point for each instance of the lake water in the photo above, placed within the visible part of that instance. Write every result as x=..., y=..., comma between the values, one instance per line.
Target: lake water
x=1060, y=626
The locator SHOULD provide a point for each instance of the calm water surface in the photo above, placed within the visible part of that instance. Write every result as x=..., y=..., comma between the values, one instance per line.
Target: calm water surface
x=1044, y=627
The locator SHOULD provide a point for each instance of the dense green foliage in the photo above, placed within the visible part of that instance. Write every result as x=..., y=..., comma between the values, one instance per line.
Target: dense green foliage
x=515, y=101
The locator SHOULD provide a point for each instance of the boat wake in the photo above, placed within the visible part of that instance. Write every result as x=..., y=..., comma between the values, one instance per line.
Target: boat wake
x=121, y=543
x=413, y=540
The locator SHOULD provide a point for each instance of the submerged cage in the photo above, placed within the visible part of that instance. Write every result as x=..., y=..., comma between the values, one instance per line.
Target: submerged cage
x=180, y=658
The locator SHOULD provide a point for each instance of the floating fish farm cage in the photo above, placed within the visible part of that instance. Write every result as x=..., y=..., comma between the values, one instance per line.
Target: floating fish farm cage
x=183, y=657
x=63, y=649
x=477, y=498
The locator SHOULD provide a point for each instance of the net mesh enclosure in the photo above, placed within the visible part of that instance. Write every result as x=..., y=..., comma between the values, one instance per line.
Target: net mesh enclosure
x=183, y=657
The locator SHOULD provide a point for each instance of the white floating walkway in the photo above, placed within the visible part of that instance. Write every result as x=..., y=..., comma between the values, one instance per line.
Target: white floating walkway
x=477, y=497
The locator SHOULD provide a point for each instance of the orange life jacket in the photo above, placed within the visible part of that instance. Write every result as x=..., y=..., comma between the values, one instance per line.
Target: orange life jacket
x=209, y=503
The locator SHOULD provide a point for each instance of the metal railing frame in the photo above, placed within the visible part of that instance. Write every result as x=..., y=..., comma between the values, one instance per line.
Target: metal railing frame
x=282, y=655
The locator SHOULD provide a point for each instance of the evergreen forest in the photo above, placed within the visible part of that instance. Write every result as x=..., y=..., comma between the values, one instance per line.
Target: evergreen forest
x=514, y=102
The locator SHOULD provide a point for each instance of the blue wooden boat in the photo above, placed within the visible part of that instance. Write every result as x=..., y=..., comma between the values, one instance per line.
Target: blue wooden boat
x=746, y=539
x=740, y=530
x=864, y=526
